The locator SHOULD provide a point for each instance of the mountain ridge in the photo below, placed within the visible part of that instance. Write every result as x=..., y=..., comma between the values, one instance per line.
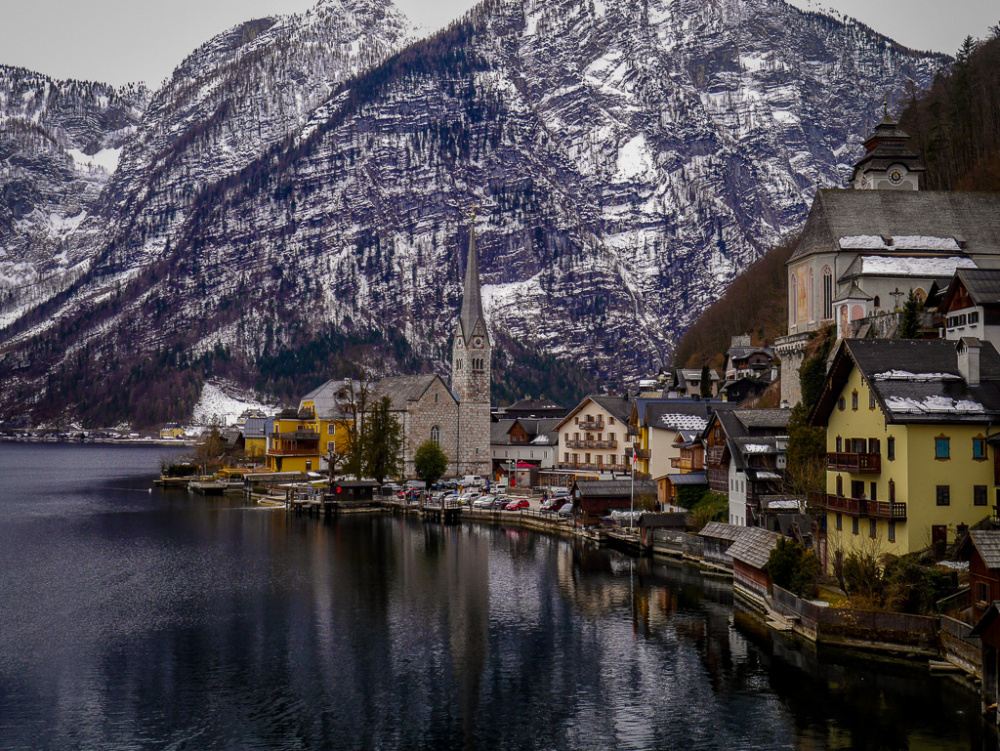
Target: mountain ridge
x=625, y=168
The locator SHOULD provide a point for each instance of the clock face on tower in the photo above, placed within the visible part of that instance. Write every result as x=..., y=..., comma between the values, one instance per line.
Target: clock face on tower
x=477, y=342
x=895, y=175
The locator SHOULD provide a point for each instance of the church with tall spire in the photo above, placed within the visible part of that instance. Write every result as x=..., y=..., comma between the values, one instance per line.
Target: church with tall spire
x=471, y=359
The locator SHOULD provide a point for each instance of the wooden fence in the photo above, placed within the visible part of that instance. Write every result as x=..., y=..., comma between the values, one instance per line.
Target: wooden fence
x=958, y=647
x=858, y=627
x=674, y=542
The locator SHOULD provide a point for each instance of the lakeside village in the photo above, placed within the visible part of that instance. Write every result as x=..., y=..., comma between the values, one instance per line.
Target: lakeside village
x=846, y=475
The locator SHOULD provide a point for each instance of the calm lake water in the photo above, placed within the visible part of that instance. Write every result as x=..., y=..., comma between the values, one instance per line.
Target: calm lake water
x=132, y=619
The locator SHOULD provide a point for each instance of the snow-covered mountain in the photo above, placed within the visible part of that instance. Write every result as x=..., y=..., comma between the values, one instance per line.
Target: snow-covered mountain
x=59, y=144
x=307, y=180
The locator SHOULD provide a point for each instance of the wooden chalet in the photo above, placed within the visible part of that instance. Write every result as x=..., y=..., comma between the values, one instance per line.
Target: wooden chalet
x=981, y=548
x=750, y=553
x=718, y=537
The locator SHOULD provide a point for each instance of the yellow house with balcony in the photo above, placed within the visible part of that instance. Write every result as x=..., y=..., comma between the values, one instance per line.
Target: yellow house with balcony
x=302, y=439
x=907, y=436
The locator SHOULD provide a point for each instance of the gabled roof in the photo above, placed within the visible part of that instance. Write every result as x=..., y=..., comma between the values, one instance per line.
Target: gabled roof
x=982, y=286
x=754, y=547
x=722, y=531
x=987, y=542
x=402, y=390
x=527, y=405
x=916, y=267
x=615, y=488
x=500, y=432
x=255, y=427
x=330, y=398
x=914, y=381
x=773, y=418
x=619, y=407
x=971, y=221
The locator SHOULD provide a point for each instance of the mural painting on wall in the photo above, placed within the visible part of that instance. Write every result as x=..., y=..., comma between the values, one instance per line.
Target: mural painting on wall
x=843, y=319
x=802, y=302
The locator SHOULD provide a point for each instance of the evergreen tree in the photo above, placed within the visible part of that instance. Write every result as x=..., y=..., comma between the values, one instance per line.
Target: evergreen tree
x=706, y=382
x=909, y=328
x=430, y=462
x=383, y=442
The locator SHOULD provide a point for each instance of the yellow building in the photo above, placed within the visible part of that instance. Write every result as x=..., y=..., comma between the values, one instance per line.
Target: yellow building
x=172, y=431
x=302, y=439
x=907, y=428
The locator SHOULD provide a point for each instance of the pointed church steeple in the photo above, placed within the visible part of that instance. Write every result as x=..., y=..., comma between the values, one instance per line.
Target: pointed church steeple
x=472, y=299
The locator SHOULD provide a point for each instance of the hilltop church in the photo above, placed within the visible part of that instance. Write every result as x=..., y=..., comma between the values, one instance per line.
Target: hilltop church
x=862, y=250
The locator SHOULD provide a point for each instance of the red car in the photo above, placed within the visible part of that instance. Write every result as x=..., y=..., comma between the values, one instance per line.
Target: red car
x=517, y=505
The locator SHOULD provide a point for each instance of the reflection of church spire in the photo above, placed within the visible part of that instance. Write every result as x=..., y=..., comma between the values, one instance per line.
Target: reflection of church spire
x=472, y=300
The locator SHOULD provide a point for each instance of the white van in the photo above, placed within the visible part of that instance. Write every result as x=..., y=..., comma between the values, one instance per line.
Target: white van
x=472, y=481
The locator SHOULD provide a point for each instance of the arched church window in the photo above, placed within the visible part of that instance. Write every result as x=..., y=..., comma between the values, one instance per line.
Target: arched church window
x=878, y=301
x=827, y=292
x=436, y=434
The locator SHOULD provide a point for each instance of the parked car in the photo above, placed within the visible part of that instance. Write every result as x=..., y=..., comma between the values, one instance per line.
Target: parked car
x=484, y=501
x=566, y=509
x=554, y=504
x=500, y=502
x=517, y=505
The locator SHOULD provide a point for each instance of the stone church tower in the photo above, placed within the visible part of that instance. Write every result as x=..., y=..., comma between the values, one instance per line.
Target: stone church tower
x=471, y=358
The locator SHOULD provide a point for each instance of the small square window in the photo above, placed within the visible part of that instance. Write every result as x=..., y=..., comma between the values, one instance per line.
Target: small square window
x=943, y=495
x=942, y=448
x=979, y=495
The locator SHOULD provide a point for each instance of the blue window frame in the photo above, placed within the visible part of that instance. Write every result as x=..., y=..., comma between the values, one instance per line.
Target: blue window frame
x=978, y=448
x=942, y=448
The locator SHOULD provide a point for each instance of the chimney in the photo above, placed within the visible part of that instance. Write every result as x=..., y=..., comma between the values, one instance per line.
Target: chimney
x=968, y=359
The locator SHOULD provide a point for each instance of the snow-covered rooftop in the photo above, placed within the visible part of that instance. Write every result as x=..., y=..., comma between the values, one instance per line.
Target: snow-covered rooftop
x=898, y=242
x=934, y=404
x=918, y=267
x=905, y=375
x=683, y=422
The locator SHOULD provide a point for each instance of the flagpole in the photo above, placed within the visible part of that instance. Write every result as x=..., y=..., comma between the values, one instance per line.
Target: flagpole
x=631, y=515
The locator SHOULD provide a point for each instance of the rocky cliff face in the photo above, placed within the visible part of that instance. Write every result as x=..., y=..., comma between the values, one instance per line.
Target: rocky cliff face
x=59, y=143
x=625, y=161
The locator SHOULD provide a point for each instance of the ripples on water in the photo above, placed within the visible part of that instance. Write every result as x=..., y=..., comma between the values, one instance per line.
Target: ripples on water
x=137, y=620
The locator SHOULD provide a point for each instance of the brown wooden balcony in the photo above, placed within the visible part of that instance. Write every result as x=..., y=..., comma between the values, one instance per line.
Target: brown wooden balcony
x=863, y=464
x=633, y=430
x=859, y=506
x=685, y=463
x=297, y=435
x=593, y=466
x=591, y=424
x=592, y=444
x=293, y=451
